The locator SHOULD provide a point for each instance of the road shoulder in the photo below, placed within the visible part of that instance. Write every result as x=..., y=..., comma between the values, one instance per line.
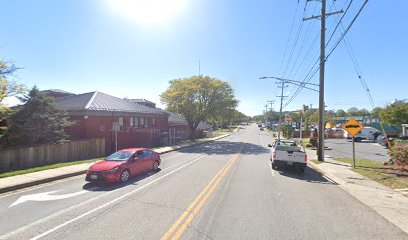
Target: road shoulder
x=389, y=203
x=17, y=182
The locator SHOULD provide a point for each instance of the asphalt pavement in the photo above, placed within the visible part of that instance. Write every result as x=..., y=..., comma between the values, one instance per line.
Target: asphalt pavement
x=222, y=190
x=342, y=148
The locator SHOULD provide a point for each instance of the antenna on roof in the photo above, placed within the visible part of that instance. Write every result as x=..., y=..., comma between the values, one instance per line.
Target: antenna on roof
x=199, y=67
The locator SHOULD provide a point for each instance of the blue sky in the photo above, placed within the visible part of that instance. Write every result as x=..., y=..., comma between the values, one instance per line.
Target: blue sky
x=134, y=50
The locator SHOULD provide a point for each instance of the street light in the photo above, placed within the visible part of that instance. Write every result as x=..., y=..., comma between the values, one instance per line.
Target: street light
x=294, y=82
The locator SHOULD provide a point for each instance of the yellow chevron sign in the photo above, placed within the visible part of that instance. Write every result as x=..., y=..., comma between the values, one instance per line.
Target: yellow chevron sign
x=352, y=127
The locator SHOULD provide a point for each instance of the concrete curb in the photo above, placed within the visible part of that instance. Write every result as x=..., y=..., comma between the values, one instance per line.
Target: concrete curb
x=394, y=215
x=327, y=175
x=41, y=181
x=76, y=173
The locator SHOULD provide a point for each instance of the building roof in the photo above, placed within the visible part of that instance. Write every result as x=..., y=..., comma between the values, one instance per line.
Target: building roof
x=142, y=101
x=57, y=91
x=138, y=100
x=97, y=101
x=178, y=120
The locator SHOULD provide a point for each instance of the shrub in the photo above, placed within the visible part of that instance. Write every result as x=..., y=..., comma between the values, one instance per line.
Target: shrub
x=400, y=153
x=313, y=141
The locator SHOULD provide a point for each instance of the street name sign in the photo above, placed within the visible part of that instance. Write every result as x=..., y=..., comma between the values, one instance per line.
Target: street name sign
x=352, y=127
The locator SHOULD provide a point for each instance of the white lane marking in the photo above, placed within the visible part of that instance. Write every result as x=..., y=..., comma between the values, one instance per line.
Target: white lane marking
x=39, y=186
x=263, y=144
x=46, y=196
x=110, y=202
x=270, y=165
x=81, y=176
x=45, y=219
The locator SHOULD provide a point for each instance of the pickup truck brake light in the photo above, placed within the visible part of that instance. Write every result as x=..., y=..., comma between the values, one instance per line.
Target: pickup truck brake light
x=305, y=158
x=274, y=154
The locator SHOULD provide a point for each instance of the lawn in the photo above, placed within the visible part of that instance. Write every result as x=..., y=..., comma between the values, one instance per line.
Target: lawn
x=377, y=171
x=42, y=168
x=316, y=161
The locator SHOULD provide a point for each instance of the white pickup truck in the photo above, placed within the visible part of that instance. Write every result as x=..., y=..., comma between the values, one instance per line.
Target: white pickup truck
x=287, y=153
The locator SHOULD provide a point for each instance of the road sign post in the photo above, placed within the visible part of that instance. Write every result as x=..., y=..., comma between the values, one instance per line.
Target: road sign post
x=354, y=153
x=353, y=127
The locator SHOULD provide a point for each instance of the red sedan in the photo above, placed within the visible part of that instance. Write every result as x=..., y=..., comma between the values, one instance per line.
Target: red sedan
x=122, y=165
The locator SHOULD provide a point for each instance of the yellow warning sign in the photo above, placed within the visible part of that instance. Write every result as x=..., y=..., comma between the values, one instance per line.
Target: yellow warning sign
x=352, y=127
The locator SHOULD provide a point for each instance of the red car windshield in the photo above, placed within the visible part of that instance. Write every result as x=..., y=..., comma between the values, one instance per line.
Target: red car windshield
x=119, y=156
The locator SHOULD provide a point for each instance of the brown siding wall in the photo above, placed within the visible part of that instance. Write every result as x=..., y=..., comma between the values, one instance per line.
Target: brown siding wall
x=27, y=157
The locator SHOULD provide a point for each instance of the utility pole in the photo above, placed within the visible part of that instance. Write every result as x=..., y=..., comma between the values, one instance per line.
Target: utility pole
x=301, y=124
x=266, y=112
x=320, y=154
x=199, y=67
x=282, y=81
x=280, y=109
x=271, y=102
x=320, y=149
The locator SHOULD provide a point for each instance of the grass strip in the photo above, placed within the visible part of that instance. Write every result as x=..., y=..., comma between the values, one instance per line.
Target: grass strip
x=316, y=161
x=46, y=167
x=377, y=171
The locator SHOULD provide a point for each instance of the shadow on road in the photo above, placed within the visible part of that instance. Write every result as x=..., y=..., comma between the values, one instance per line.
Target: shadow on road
x=226, y=148
x=105, y=187
x=310, y=175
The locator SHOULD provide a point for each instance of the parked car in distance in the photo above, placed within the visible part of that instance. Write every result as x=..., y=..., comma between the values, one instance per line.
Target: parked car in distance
x=122, y=165
x=261, y=128
x=383, y=141
x=367, y=133
x=287, y=153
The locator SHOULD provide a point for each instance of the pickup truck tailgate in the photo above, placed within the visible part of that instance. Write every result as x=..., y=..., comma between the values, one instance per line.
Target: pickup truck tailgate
x=290, y=156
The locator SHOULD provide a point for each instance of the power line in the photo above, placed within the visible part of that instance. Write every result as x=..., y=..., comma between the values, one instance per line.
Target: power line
x=338, y=24
x=289, y=37
x=331, y=51
x=358, y=71
x=345, y=32
x=293, y=48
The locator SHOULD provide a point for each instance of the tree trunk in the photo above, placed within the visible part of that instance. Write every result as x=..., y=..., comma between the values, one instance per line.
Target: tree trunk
x=192, y=133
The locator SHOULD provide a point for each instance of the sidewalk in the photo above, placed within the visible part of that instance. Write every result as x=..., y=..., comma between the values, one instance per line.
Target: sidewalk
x=31, y=179
x=389, y=203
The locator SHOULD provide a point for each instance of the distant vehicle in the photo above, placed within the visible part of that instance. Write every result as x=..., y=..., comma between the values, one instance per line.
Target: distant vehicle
x=287, y=153
x=122, y=165
x=261, y=128
x=383, y=141
x=259, y=125
x=367, y=133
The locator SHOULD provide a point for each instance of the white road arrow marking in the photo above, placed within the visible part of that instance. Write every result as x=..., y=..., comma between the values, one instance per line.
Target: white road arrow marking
x=46, y=196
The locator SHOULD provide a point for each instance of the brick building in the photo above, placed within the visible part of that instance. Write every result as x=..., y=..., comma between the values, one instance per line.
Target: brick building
x=123, y=124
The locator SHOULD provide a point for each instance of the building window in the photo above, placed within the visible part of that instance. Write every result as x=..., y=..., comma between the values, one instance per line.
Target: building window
x=154, y=121
x=134, y=122
x=121, y=123
x=146, y=123
x=141, y=122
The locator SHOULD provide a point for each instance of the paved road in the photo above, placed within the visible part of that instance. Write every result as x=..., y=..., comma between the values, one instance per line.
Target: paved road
x=223, y=190
x=342, y=148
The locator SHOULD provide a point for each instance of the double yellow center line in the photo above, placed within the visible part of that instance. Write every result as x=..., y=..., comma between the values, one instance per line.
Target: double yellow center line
x=199, y=201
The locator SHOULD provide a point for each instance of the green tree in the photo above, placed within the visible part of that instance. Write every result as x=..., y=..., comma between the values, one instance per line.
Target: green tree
x=39, y=120
x=396, y=113
x=8, y=88
x=363, y=112
x=239, y=117
x=340, y=113
x=199, y=98
x=375, y=112
x=352, y=112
